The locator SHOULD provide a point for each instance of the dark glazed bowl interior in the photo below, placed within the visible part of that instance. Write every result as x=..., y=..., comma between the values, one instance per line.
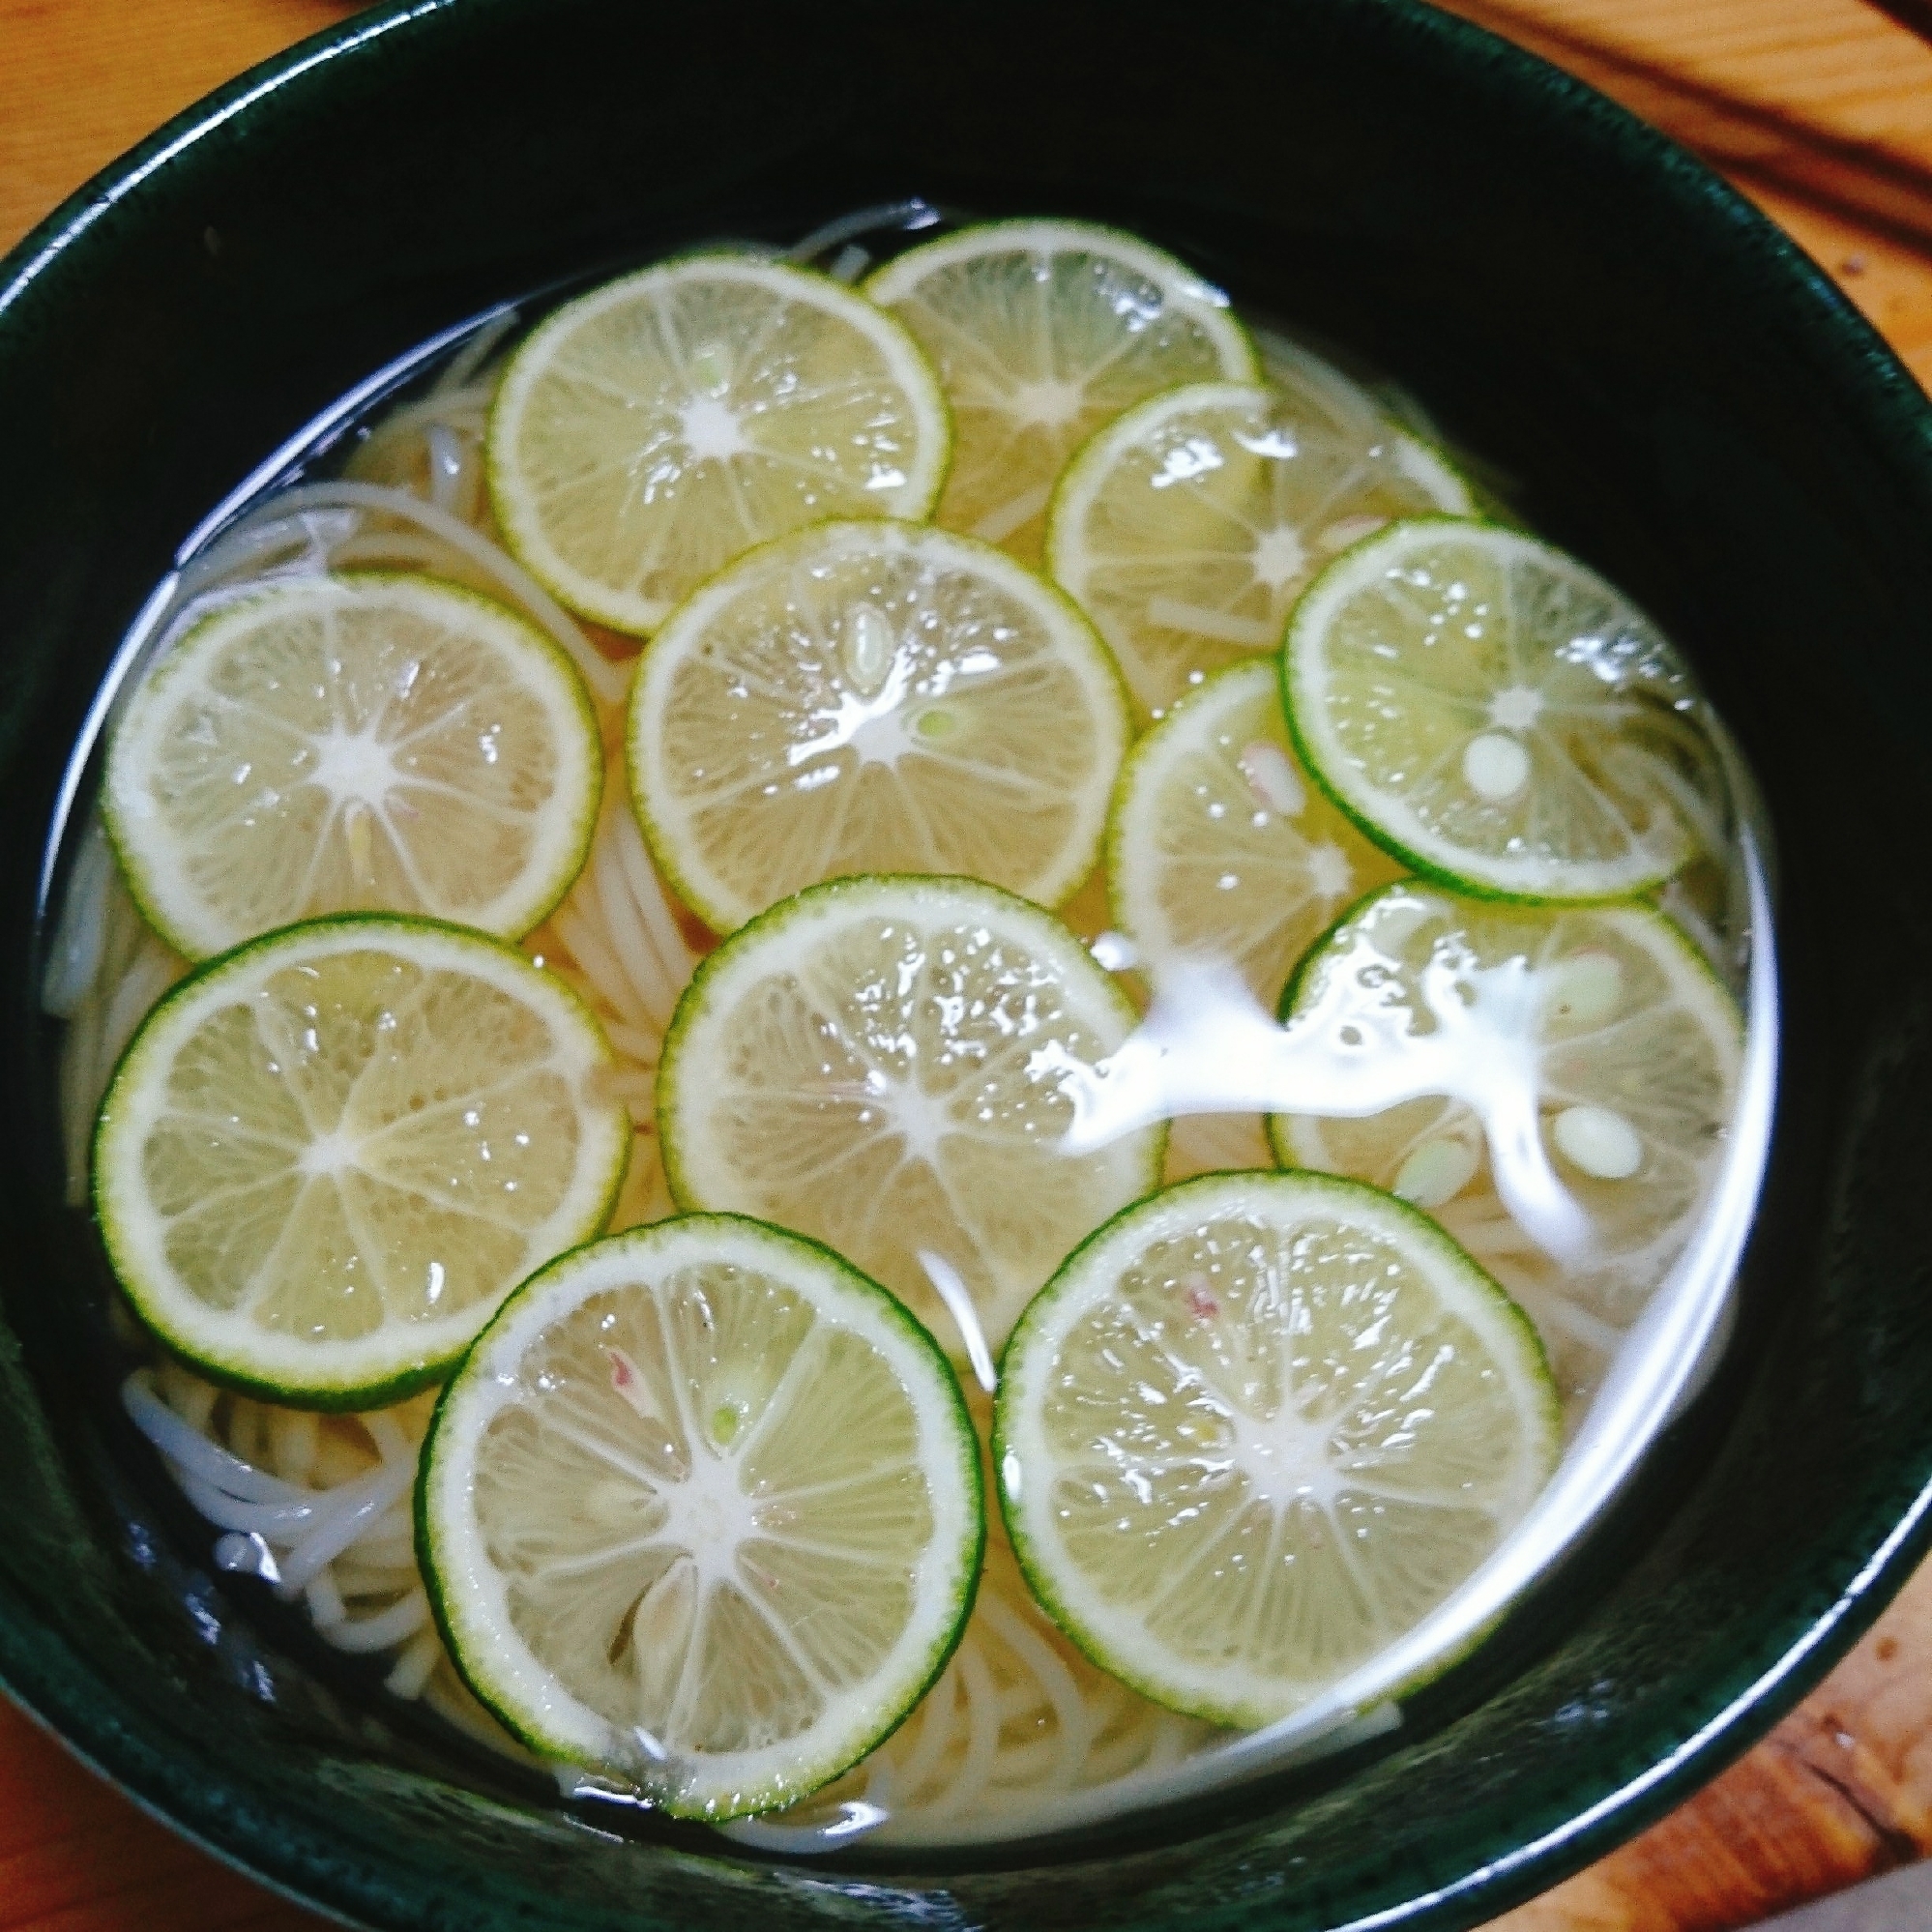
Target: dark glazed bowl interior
x=1681, y=397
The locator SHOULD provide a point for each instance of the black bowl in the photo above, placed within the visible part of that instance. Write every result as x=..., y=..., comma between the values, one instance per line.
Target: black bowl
x=1682, y=398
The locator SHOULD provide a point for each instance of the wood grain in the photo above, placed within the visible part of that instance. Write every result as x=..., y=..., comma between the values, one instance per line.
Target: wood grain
x=1819, y=110
x=76, y=1857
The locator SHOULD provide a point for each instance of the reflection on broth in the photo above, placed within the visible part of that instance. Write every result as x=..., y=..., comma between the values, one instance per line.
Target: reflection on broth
x=1455, y=898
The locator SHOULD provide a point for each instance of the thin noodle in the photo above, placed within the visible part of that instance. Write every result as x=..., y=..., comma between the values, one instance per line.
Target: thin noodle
x=598, y=966
x=189, y=1447
x=295, y=1434
x=466, y=408
x=386, y=1628
x=633, y=1042
x=1170, y=1744
x=450, y=458
x=934, y=1734
x=325, y=1601
x=78, y=1100
x=153, y=971
x=849, y=263
x=646, y=888
x=1051, y=1675
x=415, y=1667
x=376, y=1493
x=470, y=359
x=387, y=549
x=198, y=1407
x=391, y=1443
x=606, y=679
x=79, y=948
x=632, y=944
x=982, y=1748
x=896, y=216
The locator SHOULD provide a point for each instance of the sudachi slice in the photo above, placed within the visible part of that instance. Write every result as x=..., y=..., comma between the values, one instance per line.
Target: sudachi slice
x=353, y=743
x=328, y=1155
x=1256, y=1429
x=702, y=1513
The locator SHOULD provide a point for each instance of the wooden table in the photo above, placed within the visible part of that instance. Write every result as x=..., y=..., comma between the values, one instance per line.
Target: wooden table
x=1822, y=111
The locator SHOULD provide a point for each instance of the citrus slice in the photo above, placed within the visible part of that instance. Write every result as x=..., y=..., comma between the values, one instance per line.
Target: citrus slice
x=650, y=431
x=1498, y=716
x=702, y=1512
x=1187, y=528
x=347, y=744
x=1220, y=849
x=1041, y=332
x=327, y=1157
x=1295, y=370
x=1256, y=1429
x=879, y=1062
x=1633, y=1049
x=868, y=697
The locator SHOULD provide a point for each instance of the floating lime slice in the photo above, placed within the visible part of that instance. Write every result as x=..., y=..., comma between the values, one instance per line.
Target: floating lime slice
x=873, y=697
x=1187, y=528
x=361, y=743
x=879, y=1062
x=1041, y=332
x=1632, y=1049
x=702, y=1513
x=1219, y=847
x=650, y=431
x=1256, y=1429
x=327, y=1157
x=1499, y=716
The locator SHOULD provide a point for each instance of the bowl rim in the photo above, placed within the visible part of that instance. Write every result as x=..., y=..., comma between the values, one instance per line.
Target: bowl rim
x=62, y=1694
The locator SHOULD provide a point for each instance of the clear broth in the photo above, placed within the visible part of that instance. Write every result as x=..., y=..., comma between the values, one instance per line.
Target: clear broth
x=1205, y=1051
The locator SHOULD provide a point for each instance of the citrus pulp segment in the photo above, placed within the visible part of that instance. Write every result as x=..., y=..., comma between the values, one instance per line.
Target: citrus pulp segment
x=1220, y=849
x=349, y=742
x=328, y=1155
x=873, y=697
x=1041, y=332
x=1256, y=1429
x=650, y=431
x=1187, y=528
x=1498, y=716
x=702, y=1512
x=879, y=1062
x=1634, y=1051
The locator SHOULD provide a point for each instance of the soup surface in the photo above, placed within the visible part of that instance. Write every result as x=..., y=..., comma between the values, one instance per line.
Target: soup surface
x=1163, y=983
